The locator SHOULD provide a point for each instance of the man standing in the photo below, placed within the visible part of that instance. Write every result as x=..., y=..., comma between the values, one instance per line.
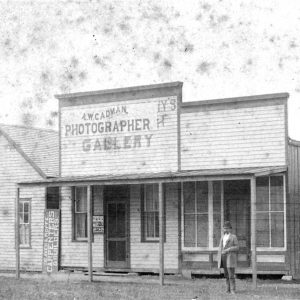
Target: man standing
x=227, y=256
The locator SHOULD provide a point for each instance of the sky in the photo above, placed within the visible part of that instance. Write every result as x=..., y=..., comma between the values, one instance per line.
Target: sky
x=217, y=48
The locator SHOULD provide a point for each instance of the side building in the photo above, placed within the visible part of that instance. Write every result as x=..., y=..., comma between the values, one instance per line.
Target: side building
x=25, y=154
x=294, y=207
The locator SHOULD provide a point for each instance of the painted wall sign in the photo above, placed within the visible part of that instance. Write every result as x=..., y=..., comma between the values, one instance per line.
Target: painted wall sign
x=98, y=224
x=51, y=240
x=120, y=137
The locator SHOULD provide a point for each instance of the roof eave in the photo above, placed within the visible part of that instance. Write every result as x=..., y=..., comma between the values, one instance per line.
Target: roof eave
x=264, y=97
x=166, y=177
x=120, y=90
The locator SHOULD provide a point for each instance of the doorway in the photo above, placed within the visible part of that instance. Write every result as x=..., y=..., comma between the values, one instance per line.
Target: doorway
x=237, y=211
x=116, y=199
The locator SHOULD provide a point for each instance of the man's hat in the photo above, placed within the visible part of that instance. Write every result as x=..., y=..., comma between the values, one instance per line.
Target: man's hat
x=227, y=225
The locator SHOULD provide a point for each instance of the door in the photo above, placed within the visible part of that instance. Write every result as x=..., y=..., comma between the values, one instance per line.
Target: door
x=116, y=227
x=237, y=211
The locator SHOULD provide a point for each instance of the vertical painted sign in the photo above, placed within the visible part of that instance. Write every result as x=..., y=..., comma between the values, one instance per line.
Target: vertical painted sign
x=51, y=240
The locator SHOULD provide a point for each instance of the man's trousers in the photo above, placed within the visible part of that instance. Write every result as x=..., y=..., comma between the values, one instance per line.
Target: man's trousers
x=229, y=274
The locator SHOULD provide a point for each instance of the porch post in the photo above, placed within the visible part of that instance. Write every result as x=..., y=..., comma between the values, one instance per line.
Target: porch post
x=161, y=232
x=17, y=235
x=253, y=232
x=89, y=223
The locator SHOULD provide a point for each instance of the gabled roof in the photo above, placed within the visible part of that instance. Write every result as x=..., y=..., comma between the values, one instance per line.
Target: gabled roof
x=39, y=147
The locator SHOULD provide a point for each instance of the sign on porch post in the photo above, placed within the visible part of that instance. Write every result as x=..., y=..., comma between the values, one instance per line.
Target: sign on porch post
x=253, y=232
x=98, y=224
x=51, y=240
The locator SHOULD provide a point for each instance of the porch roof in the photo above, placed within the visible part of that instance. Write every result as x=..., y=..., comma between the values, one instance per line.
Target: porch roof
x=216, y=174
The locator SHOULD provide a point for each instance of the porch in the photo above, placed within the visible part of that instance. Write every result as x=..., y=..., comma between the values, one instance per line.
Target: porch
x=225, y=195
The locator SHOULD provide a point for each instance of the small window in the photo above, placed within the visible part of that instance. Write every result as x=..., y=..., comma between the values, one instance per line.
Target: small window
x=24, y=222
x=80, y=213
x=150, y=213
x=52, y=198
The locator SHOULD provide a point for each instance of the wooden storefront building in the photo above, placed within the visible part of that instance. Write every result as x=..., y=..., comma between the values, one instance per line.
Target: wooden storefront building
x=163, y=175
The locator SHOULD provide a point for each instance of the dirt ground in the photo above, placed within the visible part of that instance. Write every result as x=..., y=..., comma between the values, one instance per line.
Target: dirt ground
x=141, y=287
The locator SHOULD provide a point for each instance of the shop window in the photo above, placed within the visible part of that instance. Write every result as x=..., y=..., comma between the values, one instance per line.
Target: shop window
x=195, y=196
x=24, y=222
x=270, y=216
x=80, y=213
x=150, y=213
x=202, y=211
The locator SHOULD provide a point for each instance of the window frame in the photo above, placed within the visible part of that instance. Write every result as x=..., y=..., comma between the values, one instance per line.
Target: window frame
x=22, y=201
x=145, y=239
x=74, y=238
x=210, y=213
x=270, y=248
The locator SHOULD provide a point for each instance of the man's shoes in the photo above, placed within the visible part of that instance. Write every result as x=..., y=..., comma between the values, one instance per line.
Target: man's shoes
x=232, y=285
x=227, y=286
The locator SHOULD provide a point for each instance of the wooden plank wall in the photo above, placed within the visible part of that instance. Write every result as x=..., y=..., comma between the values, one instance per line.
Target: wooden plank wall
x=31, y=258
x=145, y=256
x=233, y=136
x=13, y=169
x=159, y=154
x=293, y=206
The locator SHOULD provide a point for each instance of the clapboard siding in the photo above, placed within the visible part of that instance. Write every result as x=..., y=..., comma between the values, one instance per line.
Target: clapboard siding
x=75, y=254
x=146, y=255
x=31, y=258
x=161, y=155
x=233, y=137
x=14, y=168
